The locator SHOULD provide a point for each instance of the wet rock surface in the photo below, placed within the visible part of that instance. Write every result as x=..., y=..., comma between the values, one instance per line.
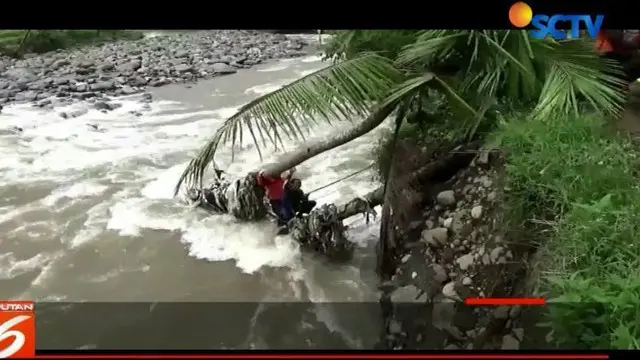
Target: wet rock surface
x=461, y=252
x=128, y=67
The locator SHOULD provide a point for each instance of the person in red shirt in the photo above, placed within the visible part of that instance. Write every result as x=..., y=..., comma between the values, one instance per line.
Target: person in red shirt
x=274, y=189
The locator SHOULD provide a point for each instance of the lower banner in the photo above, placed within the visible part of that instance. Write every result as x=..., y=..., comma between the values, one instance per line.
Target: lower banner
x=225, y=330
x=326, y=355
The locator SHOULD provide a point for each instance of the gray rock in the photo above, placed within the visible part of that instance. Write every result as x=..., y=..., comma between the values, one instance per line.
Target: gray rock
x=501, y=313
x=84, y=71
x=79, y=87
x=446, y=198
x=476, y=212
x=222, y=68
x=510, y=343
x=130, y=66
x=84, y=64
x=515, y=311
x=103, y=105
x=436, y=237
x=20, y=74
x=519, y=333
x=408, y=294
x=449, y=290
x=78, y=113
x=60, y=63
x=465, y=261
x=429, y=224
x=43, y=103
x=61, y=81
x=483, y=158
x=495, y=254
x=159, y=82
x=138, y=81
x=182, y=54
x=439, y=273
x=127, y=90
x=102, y=86
x=6, y=93
x=183, y=68
x=107, y=67
x=26, y=96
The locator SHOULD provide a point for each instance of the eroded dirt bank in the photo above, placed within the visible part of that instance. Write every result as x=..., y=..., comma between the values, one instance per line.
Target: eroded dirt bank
x=458, y=248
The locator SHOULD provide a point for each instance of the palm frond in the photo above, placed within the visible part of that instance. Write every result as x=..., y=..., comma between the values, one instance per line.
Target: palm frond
x=342, y=91
x=493, y=62
x=429, y=46
x=574, y=72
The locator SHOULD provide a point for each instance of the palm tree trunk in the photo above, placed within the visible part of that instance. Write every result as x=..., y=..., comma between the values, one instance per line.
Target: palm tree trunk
x=323, y=230
x=244, y=199
x=22, y=42
x=386, y=242
x=306, y=152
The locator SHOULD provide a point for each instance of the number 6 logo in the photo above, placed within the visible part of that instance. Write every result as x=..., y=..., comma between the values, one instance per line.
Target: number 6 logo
x=19, y=338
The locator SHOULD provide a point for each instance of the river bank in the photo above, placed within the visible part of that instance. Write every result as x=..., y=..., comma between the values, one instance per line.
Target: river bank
x=128, y=67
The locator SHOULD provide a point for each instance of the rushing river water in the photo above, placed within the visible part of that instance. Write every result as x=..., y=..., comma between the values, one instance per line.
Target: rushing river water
x=89, y=216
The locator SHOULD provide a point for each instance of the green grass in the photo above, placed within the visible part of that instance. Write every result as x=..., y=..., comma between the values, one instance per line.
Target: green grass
x=582, y=182
x=40, y=41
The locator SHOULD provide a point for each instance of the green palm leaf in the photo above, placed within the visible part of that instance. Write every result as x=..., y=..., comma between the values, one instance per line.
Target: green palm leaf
x=340, y=92
x=575, y=72
x=429, y=46
x=511, y=65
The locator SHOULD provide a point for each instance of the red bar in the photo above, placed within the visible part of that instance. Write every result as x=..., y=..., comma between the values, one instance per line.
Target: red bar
x=504, y=301
x=343, y=356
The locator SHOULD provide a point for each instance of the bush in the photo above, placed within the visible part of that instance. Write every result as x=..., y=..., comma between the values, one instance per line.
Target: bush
x=582, y=181
x=14, y=43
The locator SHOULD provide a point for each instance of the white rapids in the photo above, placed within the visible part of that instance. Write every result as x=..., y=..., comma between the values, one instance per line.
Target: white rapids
x=89, y=214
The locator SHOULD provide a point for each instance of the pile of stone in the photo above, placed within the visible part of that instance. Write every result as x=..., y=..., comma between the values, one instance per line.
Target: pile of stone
x=128, y=67
x=461, y=253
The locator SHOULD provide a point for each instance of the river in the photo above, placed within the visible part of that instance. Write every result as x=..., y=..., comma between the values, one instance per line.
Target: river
x=88, y=219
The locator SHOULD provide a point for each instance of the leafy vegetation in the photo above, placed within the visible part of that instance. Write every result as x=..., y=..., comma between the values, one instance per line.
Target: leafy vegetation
x=582, y=182
x=18, y=42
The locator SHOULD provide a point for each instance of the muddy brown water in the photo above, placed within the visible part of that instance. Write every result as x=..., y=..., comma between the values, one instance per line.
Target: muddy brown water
x=89, y=224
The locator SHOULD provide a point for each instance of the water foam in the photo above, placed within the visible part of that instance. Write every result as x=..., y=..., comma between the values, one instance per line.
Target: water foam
x=75, y=191
x=145, y=155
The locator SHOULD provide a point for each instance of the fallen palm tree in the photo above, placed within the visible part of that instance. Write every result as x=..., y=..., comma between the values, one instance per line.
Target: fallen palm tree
x=322, y=230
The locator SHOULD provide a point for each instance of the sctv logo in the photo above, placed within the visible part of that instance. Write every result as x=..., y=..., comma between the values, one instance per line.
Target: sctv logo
x=521, y=15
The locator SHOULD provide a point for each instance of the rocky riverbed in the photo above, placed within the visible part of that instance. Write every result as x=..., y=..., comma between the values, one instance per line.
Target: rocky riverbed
x=128, y=67
x=461, y=251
